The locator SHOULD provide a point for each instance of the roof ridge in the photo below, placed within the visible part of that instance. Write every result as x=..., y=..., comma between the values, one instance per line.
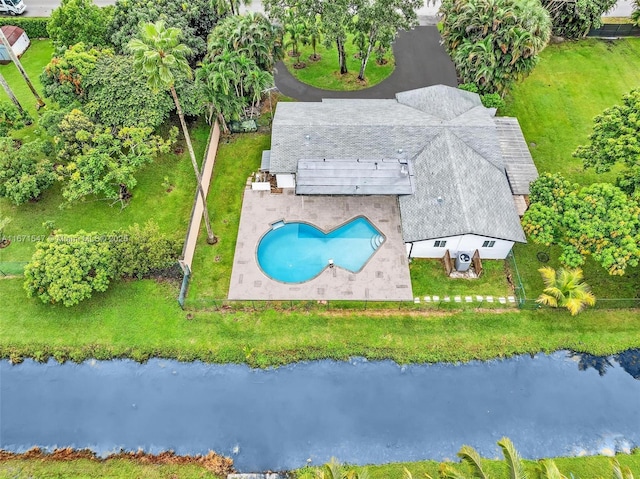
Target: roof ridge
x=480, y=154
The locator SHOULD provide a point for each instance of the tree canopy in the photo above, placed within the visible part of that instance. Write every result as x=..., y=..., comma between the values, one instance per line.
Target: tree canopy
x=616, y=140
x=575, y=19
x=494, y=43
x=76, y=21
x=195, y=19
x=67, y=269
x=25, y=172
x=100, y=161
x=598, y=220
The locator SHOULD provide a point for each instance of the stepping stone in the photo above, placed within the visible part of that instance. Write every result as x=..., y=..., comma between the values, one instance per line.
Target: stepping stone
x=447, y=299
x=489, y=299
x=427, y=299
x=468, y=299
x=458, y=299
x=416, y=300
x=479, y=299
x=511, y=299
x=502, y=300
x=436, y=299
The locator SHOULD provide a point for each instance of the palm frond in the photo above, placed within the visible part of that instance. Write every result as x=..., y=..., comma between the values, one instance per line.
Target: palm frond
x=549, y=470
x=471, y=457
x=511, y=456
x=449, y=472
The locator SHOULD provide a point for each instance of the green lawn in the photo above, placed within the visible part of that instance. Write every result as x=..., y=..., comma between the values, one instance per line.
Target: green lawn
x=141, y=319
x=573, y=82
x=555, y=106
x=325, y=73
x=34, y=60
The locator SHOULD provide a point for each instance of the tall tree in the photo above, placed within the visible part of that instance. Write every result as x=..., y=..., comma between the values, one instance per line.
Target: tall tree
x=159, y=56
x=565, y=289
x=616, y=140
x=39, y=102
x=376, y=20
x=14, y=99
x=224, y=7
x=76, y=21
x=494, y=43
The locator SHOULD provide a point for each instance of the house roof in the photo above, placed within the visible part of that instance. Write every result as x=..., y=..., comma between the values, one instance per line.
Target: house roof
x=12, y=33
x=458, y=192
x=419, y=126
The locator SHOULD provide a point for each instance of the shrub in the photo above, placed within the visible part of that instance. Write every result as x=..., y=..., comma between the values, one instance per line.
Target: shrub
x=76, y=21
x=11, y=119
x=34, y=27
x=492, y=100
x=575, y=19
x=24, y=172
x=67, y=269
x=144, y=251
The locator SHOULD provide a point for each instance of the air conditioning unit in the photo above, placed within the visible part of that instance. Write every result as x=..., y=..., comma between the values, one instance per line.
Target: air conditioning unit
x=463, y=261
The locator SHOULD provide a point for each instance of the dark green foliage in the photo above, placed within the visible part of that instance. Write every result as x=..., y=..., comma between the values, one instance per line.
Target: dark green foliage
x=24, y=171
x=250, y=35
x=195, y=19
x=34, y=27
x=144, y=251
x=76, y=21
x=10, y=118
x=598, y=220
x=102, y=161
x=118, y=98
x=64, y=78
x=616, y=140
x=67, y=269
x=635, y=16
x=492, y=100
x=493, y=44
x=575, y=19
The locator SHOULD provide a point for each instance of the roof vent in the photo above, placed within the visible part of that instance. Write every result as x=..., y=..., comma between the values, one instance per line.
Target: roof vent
x=440, y=200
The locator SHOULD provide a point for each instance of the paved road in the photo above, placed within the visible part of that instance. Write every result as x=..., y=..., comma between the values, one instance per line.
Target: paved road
x=42, y=8
x=420, y=61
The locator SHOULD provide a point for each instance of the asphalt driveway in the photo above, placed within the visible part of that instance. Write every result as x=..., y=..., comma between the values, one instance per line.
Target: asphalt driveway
x=420, y=61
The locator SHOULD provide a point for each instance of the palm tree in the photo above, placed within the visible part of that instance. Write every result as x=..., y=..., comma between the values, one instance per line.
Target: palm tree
x=158, y=54
x=39, y=102
x=512, y=458
x=549, y=470
x=564, y=288
x=217, y=81
x=7, y=88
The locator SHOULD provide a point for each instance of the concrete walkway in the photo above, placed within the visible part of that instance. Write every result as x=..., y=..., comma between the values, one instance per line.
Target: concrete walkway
x=420, y=61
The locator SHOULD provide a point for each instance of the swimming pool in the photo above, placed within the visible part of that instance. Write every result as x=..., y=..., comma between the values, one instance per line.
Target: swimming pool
x=297, y=252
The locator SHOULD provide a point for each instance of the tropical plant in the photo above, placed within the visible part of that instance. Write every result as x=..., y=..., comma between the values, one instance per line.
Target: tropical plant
x=67, y=269
x=295, y=29
x=616, y=140
x=549, y=470
x=251, y=35
x=314, y=35
x=575, y=19
x=24, y=171
x=564, y=288
x=223, y=7
x=494, y=43
x=76, y=21
x=620, y=472
x=635, y=15
x=39, y=101
x=159, y=56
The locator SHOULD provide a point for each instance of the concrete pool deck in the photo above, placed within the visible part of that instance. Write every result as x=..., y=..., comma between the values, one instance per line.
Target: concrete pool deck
x=384, y=278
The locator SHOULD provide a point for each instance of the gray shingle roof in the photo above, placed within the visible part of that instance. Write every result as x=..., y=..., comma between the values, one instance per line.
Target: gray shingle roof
x=404, y=129
x=521, y=170
x=458, y=192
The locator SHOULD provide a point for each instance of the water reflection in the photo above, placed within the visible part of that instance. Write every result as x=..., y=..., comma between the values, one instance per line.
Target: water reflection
x=629, y=361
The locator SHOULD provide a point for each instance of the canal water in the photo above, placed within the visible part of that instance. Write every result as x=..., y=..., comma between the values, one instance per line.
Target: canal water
x=359, y=411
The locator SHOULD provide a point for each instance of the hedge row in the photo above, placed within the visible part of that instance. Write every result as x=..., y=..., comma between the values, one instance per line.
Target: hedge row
x=36, y=27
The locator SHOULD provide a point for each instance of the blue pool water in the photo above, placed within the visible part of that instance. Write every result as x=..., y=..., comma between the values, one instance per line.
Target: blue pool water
x=298, y=252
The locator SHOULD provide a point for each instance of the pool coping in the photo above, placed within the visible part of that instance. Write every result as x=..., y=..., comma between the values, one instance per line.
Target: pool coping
x=385, y=276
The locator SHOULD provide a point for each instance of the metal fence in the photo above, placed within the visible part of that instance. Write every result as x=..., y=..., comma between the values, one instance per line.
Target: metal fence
x=610, y=30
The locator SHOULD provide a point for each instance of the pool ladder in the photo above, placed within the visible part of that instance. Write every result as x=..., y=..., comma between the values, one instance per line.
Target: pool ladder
x=376, y=241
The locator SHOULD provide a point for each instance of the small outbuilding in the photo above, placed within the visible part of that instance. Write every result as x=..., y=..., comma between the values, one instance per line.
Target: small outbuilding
x=18, y=40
